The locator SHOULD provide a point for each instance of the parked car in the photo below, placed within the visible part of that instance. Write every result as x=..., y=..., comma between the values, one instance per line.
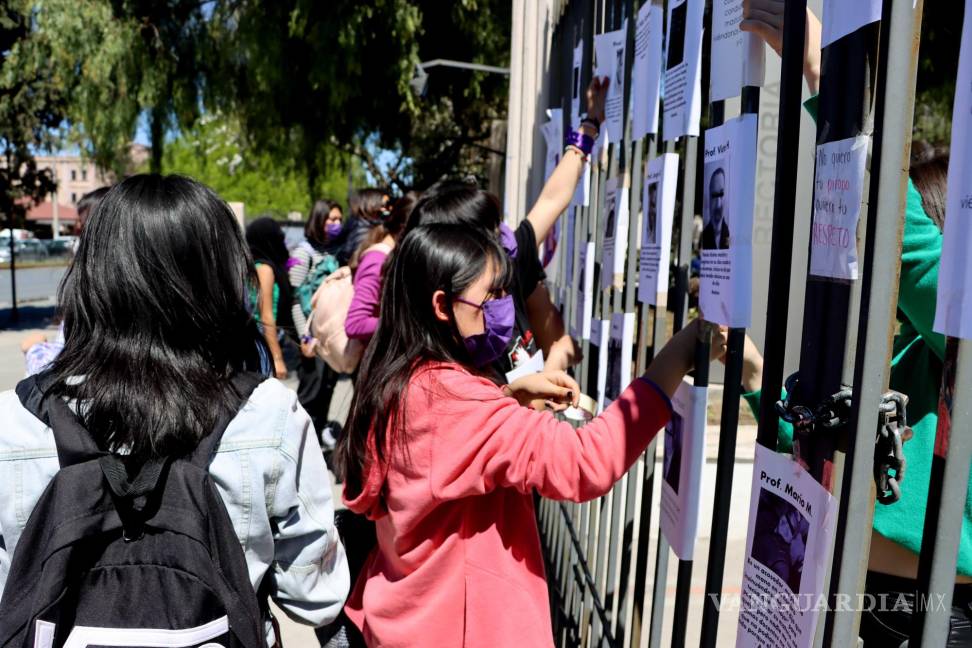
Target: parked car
x=25, y=250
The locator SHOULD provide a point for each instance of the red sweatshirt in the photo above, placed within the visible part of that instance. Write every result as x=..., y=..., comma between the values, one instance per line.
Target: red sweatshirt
x=458, y=560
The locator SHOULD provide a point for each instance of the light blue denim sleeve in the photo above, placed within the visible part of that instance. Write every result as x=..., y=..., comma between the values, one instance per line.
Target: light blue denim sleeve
x=310, y=568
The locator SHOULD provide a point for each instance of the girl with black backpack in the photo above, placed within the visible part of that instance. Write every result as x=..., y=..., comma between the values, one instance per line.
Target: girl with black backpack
x=150, y=484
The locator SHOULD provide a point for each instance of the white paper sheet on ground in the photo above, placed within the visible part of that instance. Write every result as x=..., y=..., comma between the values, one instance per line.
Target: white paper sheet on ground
x=791, y=518
x=658, y=216
x=601, y=331
x=553, y=135
x=646, y=70
x=609, y=54
x=683, y=61
x=737, y=58
x=728, y=195
x=838, y=187
x=841, y=17
x=584, y=312
x=684, y=454
x=953, y=313
x=615, y=233
x=533, y=365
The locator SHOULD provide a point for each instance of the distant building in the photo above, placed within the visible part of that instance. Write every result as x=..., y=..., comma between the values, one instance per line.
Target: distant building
x=75, y=176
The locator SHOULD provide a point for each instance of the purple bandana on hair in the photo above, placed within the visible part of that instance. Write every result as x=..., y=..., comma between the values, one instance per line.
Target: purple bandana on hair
x=508, y=240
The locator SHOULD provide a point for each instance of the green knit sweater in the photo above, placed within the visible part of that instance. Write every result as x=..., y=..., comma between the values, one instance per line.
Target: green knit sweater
x=916, y=370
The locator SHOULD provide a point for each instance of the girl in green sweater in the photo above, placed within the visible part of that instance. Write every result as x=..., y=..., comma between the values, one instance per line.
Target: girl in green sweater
x=916, y=370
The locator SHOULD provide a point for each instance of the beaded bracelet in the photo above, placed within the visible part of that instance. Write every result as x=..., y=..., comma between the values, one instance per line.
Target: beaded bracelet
x=571, y=147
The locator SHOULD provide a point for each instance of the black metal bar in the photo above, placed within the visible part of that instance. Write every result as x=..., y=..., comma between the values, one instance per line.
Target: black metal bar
x=14, y=315
x=784, y=208
x=726, y=460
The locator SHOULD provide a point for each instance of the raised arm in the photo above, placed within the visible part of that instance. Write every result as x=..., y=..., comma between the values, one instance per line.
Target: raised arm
x=560, y=187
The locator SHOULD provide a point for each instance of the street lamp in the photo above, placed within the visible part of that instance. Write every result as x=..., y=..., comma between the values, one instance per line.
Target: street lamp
x=420, y=78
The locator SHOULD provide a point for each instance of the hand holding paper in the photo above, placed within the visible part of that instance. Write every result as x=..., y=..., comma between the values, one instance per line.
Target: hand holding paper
x=764, y=18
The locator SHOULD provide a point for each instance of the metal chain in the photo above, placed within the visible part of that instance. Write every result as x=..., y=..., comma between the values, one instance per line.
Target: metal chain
x=834, y=412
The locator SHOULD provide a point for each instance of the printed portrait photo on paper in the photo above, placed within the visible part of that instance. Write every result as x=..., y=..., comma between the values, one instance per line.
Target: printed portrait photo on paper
x=612, y=387
x=652, y=213
x=715, y=226
x=676, y=36
x=672, y=457
x=780, y=541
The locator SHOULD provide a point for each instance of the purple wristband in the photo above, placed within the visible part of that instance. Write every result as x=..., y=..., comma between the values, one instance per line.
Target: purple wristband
x=583, y=142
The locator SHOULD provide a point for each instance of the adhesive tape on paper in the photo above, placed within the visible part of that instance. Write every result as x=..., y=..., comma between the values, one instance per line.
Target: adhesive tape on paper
x=583, y=411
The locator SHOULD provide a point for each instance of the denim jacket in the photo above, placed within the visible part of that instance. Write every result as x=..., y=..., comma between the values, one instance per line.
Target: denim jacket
x=270, y=473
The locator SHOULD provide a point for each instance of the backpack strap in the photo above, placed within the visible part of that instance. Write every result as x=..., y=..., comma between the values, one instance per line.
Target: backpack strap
x=74, y=443
x=244, y=383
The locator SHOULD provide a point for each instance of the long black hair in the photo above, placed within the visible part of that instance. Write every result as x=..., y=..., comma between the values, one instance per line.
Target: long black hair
x=155, y=316
x=457, y=203
x=429, y=258
x=266, y=240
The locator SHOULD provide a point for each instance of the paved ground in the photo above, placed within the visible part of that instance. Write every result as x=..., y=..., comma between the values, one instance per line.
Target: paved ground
x=33, y=284
x=37, y=317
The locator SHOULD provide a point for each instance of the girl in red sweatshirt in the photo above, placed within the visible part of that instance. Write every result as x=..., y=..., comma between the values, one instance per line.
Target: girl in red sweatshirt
x=444, y=458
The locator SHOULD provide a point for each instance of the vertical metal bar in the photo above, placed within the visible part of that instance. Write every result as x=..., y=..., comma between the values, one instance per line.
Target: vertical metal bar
x=943, y=519
x=726, y=460
x=879, y=291
x=690, y=162
x=784, y=207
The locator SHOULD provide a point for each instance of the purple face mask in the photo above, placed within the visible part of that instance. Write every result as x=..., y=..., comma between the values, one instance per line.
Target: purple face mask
x=489, y=345
x=507, y=240
x=333, y=229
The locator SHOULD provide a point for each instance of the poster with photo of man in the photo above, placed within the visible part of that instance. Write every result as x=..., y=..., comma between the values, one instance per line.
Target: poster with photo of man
x=610, y=63
x=615, y=234
x=683, y=61
x=658, y=207
x=791, y=521
x=728, y=201
x=684, y=454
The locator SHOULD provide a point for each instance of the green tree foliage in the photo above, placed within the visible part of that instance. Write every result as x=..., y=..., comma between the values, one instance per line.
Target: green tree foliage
x=31, y=109
x=214, y=152
x=306, y=80
x=114, y=60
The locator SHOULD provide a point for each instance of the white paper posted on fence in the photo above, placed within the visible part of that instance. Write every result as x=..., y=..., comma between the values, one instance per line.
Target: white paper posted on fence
x=683, y=60
x=609, y=51
x=841, y=17
x=837, y=191
x=585, y=308
x=619, y=355
x=646, y=72
x=684, y=454
x=600, y=332
x=953, y=311
x=728, y=195
x=581, y=194
x=615, y=233
x=791, y=518
x=737, y=58
x=658, y=209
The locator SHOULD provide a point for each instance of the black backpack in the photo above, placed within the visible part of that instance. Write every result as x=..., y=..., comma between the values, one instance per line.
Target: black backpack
x=112, y=560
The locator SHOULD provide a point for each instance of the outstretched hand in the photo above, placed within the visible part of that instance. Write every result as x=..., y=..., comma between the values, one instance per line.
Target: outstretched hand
x=555, y=388
x=764, y=18
x=597, y=97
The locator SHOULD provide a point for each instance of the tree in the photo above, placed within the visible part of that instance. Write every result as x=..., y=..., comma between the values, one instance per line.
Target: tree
x=31, y=109
x=305, y=74
x=117, y=59
x=215, y=153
